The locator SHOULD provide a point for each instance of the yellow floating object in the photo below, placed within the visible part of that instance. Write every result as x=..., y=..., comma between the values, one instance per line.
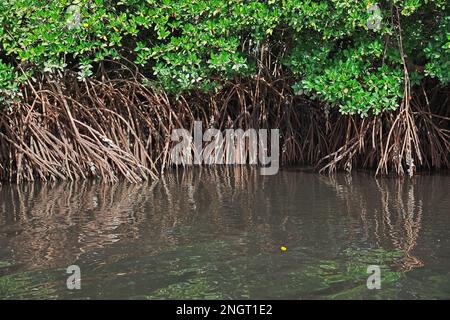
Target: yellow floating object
x=283, y=248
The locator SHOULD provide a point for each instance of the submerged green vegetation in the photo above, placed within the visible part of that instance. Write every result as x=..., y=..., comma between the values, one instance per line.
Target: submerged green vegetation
x=198, y=277
x=343, y=278
x=25, y=285
x=370, y=60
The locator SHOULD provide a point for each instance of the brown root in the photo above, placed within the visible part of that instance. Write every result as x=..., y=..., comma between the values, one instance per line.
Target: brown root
x=69, y=130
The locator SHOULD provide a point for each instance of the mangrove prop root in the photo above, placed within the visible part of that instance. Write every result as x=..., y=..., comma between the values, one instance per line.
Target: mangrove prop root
x=111, y=129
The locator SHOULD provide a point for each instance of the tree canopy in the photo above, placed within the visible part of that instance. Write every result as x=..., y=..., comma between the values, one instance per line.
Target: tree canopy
x=346, y=53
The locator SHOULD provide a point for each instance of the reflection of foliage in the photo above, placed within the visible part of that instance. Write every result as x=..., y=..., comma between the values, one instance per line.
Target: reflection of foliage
x=4, y=264
x=198, y=288
x=217, y=270
x=345, y=278
x=202, y=277
x=432, y=287
x=27, y=285
x=381, y=257
x=9, y=287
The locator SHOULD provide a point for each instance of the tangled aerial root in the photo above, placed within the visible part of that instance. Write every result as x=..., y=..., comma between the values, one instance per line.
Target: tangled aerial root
x=399, y=142
x=96, y=130
x=72, y=130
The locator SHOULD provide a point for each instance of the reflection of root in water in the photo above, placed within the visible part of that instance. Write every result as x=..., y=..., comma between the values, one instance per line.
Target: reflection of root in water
x=59, y=222
x=403, y=221
x=397, y=218
x=45, y=224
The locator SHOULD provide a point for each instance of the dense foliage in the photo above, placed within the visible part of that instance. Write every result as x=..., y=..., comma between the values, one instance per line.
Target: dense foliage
x=332, y=49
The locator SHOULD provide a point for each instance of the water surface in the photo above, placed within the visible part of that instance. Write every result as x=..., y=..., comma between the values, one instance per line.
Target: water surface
x=217, y=234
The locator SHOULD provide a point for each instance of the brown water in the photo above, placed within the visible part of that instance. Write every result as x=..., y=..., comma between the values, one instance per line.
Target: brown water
x=217, y=234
